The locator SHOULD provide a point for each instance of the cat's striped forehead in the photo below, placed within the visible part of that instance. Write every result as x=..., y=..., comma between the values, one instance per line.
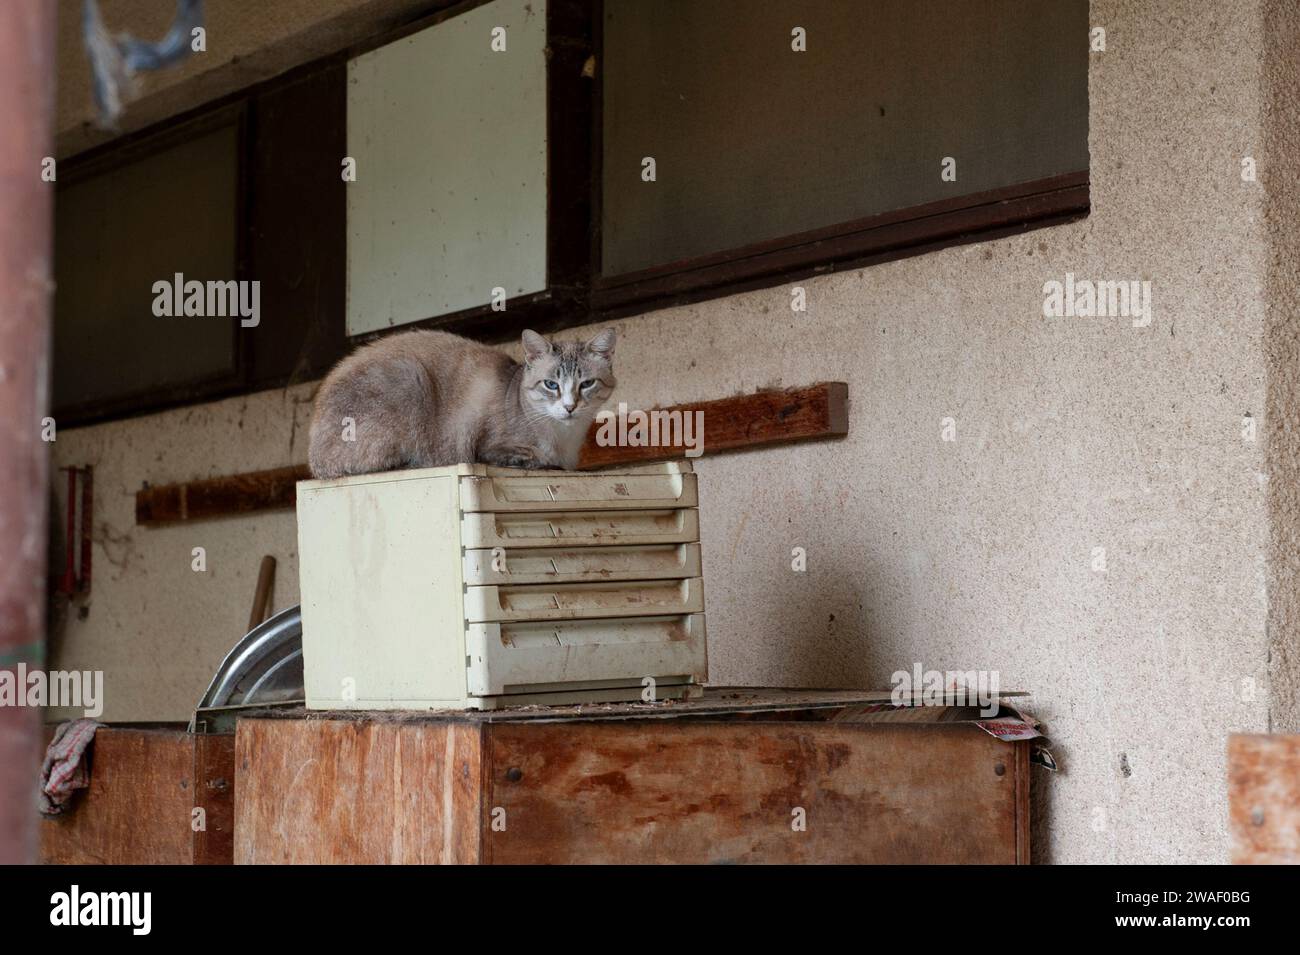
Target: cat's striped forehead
x=569, y=360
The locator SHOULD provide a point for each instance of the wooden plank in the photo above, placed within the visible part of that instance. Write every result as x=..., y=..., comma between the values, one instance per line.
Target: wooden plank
x=1023, y=769
x=384, y=791
x=730, y=424
x=723, y=793
x=718, y=702
x=1264, y=799
x=214, y=793
x=335, y=791
x=220, y=497
x=138, y=807
x=745, y=421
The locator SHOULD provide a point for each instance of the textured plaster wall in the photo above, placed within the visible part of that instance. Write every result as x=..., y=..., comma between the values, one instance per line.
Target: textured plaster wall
x=1281, y=137
x=156, y=627
x=1072, y=434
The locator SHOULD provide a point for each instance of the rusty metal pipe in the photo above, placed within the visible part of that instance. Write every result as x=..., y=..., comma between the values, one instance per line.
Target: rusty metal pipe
x=26, y=203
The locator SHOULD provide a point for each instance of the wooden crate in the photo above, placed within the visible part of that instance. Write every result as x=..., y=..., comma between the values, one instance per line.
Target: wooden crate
x=1264, y=799
x=139, y=808
x=353, y=789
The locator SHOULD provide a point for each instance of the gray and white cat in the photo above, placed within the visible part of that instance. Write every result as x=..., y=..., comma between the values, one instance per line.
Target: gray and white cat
x=422, y=399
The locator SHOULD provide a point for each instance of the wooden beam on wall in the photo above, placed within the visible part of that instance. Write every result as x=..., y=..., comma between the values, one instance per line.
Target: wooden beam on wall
x=738, y=423
x=220, y=496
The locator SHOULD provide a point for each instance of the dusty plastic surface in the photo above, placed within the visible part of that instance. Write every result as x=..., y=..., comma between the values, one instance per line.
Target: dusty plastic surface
x=634, y=598
x=581, y=564
x=558, y=529
x=533, y=656
x=668, y=487
x=574, y=586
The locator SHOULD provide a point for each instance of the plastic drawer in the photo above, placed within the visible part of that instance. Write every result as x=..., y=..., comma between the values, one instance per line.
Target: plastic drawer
x=488, y=530
x=578, y=492
x=507, y=657
x=581, y=564
x=639, y=598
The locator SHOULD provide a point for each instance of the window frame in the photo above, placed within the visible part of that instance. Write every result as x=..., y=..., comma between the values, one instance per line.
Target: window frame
x=570, y=126
x=852, y=244
x=887, y=236
x=134, y=148
x=577, y=293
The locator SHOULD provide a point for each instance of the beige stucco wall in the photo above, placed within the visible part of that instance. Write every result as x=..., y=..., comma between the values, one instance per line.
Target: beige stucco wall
x=1072, y=434
x=156, y=627
x=1281, y=137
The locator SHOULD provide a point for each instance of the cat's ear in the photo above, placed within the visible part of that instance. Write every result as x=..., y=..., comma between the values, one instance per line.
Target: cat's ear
x=603, y=344
x=535, y=346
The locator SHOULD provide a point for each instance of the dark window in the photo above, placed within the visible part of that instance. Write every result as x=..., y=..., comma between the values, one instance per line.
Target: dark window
x=119, y=231
x=759, y=148
x=249, y=191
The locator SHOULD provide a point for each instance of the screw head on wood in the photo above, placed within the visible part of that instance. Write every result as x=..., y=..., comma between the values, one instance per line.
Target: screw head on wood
x=999, y=769
x=514, y=774
x=1257, y=816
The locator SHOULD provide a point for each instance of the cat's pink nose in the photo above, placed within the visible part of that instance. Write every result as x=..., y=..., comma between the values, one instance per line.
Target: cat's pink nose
x=569, y=408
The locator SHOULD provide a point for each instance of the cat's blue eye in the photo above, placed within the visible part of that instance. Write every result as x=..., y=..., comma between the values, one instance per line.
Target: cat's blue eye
x=588, y=384
x=551, y=385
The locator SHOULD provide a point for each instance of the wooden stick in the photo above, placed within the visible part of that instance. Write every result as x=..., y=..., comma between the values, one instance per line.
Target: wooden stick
x=220, y=497
x=262, y=596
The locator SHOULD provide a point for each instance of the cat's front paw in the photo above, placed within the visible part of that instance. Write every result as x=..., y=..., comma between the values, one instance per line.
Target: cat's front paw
x=521, y=461
x=516, y=458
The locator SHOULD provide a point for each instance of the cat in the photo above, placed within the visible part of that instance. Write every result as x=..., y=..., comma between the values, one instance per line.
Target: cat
x=423, y=399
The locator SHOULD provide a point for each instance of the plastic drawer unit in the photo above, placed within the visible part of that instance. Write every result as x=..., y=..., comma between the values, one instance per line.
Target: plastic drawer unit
x=479, y=587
